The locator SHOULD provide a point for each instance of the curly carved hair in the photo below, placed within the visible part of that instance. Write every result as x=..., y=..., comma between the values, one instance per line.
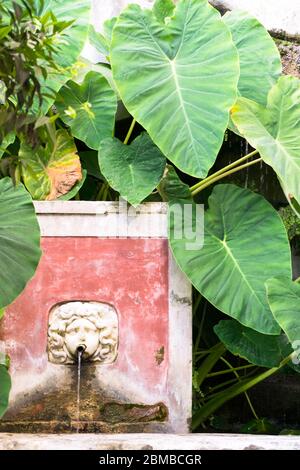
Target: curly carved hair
x=103, y=316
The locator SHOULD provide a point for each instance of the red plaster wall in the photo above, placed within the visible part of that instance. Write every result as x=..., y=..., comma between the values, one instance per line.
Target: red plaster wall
x=130, y=274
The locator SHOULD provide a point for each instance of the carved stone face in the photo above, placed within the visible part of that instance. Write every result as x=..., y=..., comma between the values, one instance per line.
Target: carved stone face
x=82, y=332
x=91, y=325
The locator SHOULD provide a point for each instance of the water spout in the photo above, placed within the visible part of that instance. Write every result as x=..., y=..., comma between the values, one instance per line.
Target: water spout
x=80, y=351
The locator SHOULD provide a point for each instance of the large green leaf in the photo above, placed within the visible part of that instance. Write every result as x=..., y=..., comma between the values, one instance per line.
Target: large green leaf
x=73, y=38
x=52, y=170
x=19, y=240
x=171, y=186
x=2, y=312
x=108, y=27
x=284, y=300
x=5, y=386
x=70, y=43
x=261, y=350
x=275, y=130
x=89, y=109
x=245, y=243
x=133, y=170
x=178, y=79
x=2, y=92
x=6, y=141
x=101, y=42
x=89, y=161
x=294, y=205
x=163, y=9
x=259, y=57
x=83, y=66
x=98, y=41
x=75, y=190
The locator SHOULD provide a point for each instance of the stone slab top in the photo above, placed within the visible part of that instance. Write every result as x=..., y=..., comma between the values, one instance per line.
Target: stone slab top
x=147, y=442
x=97, y=207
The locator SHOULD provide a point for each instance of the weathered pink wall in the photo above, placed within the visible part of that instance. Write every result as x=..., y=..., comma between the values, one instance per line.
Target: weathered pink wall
x=130, y=274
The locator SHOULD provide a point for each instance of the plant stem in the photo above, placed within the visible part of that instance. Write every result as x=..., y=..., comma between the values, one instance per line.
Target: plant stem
x=202, y=353
x=228, y=371
x=100, y=192
x=225, y=395
x=206, y=366
x=210, y=395
x=200, y=329
x=197, y=303
x=223, y=175
x=245, y=393
x=224, y=170
x=105, y=192
x=129, y=131
x=205, y=351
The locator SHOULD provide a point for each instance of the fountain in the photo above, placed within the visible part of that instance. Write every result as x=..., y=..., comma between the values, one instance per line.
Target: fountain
x=100, y=340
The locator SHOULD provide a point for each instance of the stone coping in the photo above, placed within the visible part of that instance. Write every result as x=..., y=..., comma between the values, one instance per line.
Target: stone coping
x=101, y=219
x=97, y=207
x=147, y=442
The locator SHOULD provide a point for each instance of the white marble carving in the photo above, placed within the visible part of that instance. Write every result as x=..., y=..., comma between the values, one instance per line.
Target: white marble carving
x=90, y=326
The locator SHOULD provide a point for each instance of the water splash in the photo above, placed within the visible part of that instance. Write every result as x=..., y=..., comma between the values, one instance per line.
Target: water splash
x=79, y=357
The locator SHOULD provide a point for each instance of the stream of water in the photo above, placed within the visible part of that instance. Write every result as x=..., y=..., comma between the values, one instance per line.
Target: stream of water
x=79, y=356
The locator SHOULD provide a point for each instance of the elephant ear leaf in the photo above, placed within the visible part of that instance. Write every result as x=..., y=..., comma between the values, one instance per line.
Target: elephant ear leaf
x=6, y=141
x=108, y=27
x=98, y=41
x=89, y=109
x=19, y=240
x=171, y=186
x=75, y=190
x=261, y=350
x=133, y=170
x=163, y=9
x=70, y=43
x=52, y=170
x=178, y=79
x=241, y=250
x=101, y=41
x=5, y=386
x=284, y=299
x=260, y=61
x=275, y=130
